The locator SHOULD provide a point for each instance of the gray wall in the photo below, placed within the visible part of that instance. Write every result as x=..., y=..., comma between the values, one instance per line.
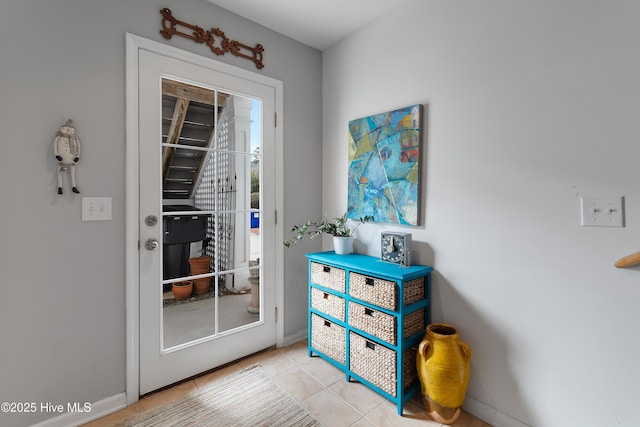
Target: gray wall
x=62, y=324
x=530, y=105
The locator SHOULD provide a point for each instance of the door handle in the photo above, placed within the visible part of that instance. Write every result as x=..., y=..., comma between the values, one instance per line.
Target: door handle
x=151, y=244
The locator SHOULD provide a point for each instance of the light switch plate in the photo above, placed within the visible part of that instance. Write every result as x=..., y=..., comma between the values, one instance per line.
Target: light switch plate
x=602, y=211
x=96, y=208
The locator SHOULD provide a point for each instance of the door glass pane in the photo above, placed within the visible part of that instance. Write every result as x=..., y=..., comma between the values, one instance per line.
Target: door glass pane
x=211, y=212
x=239, y=270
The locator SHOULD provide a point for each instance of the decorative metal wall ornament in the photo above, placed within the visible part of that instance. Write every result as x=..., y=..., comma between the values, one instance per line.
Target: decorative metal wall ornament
x=215, y=38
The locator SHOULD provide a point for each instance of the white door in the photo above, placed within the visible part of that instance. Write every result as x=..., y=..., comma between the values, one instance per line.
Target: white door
x=195, y=201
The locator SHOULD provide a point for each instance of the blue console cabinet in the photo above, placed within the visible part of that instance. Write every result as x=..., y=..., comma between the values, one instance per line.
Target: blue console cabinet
x=367, y=317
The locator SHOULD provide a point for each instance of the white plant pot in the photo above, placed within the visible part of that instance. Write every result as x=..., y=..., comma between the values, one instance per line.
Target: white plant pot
x=343, y=245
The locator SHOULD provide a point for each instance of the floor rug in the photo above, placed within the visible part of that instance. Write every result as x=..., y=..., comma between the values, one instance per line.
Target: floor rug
x=248, y=398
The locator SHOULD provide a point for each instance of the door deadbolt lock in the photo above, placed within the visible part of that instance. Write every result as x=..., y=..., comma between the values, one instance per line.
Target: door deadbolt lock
x=151, y=244
x=151, y=220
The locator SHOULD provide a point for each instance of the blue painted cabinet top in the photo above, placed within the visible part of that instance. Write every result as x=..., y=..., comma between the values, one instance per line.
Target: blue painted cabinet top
x=367, y=264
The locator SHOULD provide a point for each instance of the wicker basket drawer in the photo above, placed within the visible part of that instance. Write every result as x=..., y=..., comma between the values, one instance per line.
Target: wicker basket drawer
x=329, y=338
x=377, y=364
x=414, y=290
x=329, y=277
x=373, y=322
x=328, y=303
x=384, y=293
x=383, y=325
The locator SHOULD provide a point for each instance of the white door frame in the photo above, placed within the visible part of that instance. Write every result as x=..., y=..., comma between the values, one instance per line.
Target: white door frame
x=133, y=45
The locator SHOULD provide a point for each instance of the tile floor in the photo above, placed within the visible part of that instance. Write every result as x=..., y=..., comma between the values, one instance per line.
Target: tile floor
x=319, y=386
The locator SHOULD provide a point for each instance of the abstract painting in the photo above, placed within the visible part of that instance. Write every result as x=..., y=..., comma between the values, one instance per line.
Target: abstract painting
x=384, y=166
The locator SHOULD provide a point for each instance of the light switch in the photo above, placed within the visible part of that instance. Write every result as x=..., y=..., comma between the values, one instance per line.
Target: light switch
x=96, y=208
x=602, y=211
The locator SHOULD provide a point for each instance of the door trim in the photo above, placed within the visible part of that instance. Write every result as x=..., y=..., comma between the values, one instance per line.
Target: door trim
x=132, y=285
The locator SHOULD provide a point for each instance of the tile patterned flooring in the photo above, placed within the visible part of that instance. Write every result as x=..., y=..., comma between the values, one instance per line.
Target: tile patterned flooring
x=316, y=384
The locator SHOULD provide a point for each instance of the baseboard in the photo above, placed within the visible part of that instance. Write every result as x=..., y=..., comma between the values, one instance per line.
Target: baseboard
x=298, y=336
x=490, y=415
x=96, y=410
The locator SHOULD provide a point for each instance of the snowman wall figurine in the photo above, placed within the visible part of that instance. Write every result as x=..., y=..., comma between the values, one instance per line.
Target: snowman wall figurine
x=66, y=149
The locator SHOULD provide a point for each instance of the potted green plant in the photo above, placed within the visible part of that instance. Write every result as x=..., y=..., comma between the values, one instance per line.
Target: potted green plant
x=337, y=227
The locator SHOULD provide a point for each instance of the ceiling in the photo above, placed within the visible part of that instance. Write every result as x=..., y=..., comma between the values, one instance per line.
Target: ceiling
x=319, y=24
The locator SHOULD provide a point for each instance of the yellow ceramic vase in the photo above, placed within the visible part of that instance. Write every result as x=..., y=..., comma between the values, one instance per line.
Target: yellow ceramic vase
x=443, y=368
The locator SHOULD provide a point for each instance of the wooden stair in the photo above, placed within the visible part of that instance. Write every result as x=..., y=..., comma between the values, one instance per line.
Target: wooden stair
x=187, y=119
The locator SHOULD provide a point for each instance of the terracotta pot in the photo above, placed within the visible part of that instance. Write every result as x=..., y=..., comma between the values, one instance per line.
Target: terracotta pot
x=199, y=265
x=201, y=286
x=443, y=363
x=182, y=290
